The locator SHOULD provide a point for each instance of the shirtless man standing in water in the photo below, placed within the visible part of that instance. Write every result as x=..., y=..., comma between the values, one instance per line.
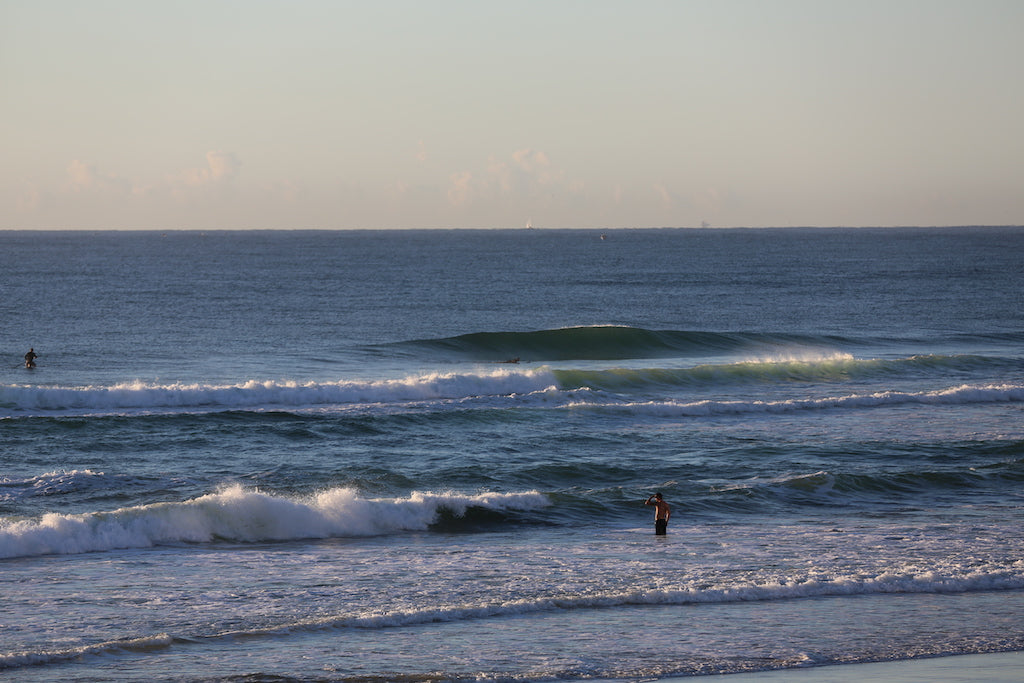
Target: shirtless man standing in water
x=661, y=513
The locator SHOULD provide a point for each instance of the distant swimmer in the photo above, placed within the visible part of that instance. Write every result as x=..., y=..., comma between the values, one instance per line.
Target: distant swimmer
x=30, y=358
x=511, y=360
x=661, y=513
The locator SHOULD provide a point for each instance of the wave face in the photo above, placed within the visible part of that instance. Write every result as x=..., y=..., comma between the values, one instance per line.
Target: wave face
x=601, y=342
x=792, y=366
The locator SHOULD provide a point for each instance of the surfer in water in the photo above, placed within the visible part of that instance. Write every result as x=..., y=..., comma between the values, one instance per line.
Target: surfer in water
x=30, y=358
x=661, y=513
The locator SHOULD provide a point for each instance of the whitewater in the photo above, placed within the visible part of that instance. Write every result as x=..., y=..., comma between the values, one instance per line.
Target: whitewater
x=239, y=515
x=21, y=400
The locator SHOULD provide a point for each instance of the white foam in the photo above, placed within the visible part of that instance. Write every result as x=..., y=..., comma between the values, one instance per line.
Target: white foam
x=908, y=583
x=58, y=481
x=962, y=395
x=238, y=514
x=140, y=396
x=146, y=644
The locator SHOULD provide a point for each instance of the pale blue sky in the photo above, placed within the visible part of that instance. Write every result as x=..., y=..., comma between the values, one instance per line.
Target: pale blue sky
x=332, y=114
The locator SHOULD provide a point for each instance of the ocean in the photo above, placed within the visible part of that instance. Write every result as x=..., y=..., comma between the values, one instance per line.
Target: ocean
x=424, y=455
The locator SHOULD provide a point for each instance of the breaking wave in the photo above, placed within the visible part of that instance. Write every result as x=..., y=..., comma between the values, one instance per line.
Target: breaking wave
x=515, y=380
x=139, y=396
x=240, y=515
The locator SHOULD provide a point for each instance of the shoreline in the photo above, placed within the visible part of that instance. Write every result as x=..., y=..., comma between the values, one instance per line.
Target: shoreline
x=994, y=667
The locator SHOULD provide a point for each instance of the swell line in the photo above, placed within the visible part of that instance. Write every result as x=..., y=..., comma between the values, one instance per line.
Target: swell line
x=19, y=400
x=997, y=578
x=783, y=367
x=145, y=644
x=789, y=367
x=604, y=342
x=962, y=395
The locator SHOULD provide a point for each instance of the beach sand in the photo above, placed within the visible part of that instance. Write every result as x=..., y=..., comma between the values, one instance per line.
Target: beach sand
x=1001, y=667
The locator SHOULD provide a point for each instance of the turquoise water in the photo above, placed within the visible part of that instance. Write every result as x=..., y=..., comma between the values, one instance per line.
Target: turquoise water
x=309, y=455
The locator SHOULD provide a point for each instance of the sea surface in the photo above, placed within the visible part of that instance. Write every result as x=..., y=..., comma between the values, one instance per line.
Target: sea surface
x=424, y=455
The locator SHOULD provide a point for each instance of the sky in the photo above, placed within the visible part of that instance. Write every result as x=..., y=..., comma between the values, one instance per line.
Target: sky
x=336, y=114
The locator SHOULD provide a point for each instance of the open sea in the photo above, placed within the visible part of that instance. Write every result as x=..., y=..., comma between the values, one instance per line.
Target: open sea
x=309, y=455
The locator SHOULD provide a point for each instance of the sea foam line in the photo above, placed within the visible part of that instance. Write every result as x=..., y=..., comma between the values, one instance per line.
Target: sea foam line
x=238, y=514
x=999, y=578
x=14, y=660
x=883, y=583
x=962, y=395
x=15, y=399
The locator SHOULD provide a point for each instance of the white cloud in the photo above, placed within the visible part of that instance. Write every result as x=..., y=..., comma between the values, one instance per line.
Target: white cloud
x=527, y=174
x=532, y=161
x=220, y=167
x=223, y=165
x=460, y=189
x=86, y=178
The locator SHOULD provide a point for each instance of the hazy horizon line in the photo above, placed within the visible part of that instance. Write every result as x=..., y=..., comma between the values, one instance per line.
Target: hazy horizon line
x=533, y=228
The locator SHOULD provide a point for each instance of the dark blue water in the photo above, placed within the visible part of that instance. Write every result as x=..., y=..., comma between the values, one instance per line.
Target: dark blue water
x=424, y=454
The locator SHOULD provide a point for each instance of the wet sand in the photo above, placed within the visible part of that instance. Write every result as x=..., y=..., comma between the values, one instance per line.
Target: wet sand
x=1000, y=667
